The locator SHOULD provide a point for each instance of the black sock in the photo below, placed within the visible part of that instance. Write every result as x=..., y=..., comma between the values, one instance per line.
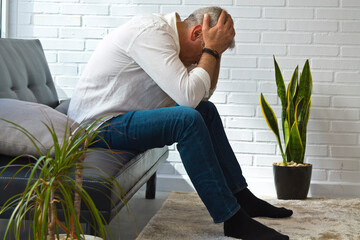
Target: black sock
x=256, y=207
x=242, y=226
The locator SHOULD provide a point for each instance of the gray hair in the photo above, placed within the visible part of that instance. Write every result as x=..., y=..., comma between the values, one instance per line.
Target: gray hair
x=197, y=17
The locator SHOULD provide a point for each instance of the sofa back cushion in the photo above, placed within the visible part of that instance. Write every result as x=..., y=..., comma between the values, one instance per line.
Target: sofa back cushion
x=32, y=117
x=24, y=72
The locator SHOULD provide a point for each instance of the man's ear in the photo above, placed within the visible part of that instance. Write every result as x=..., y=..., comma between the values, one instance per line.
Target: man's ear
x=196, y=32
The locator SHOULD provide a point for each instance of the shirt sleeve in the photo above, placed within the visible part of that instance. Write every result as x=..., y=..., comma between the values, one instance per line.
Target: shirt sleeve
x=155, y=51
x=211, y=91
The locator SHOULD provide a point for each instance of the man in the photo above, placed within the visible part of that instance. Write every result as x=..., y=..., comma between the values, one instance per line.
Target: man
x=137, y=75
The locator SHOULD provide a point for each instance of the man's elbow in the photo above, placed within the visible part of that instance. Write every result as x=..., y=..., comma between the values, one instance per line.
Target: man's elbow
x=192, y=103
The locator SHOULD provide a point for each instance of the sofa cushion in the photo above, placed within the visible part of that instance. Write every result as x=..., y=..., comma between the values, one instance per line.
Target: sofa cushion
x=32, y=117
x=25, y=74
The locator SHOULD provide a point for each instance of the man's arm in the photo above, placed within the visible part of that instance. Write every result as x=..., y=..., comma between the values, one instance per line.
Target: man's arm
x=214, y=79
x=154, y=50
x=217, y=38
x=210, y=63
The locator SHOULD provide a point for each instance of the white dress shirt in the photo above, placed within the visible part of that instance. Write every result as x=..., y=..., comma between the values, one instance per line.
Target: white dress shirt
x=137, y=67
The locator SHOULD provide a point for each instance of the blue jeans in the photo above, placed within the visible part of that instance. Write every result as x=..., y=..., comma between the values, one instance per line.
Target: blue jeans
x=203, y=146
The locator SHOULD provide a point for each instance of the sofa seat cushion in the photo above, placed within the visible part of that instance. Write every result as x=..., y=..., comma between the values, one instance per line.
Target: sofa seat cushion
x=127, y=167
x=32, y=117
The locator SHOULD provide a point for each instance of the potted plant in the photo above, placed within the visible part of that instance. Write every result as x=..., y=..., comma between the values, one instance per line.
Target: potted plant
x=55, y=182
x=292, y=176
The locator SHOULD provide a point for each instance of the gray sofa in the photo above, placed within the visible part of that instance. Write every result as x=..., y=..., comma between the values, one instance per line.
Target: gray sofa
x=25, y=75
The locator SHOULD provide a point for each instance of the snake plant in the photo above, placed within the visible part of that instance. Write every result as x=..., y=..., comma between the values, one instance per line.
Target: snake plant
x=296, y=104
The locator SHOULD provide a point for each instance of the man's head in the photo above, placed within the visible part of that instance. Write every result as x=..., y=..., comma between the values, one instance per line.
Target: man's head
x=197, y=18
x=190, y=34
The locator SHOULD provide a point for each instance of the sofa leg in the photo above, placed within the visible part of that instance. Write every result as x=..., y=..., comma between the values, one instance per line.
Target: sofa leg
x=151, y=187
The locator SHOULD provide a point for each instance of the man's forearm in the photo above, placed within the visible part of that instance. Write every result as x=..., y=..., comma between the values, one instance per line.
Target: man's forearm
x=216, y=39
x=210, y=64
x=215, y=77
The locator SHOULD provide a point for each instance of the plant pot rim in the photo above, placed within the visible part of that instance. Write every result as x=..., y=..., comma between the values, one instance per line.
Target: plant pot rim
x=276, y=164
x=87, y=237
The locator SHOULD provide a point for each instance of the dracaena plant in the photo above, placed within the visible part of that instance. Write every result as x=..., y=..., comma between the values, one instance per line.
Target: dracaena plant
x=295, y=112
x=55, y=182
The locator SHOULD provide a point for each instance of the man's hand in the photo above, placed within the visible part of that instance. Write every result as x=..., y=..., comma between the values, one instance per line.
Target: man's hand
x=221, y=35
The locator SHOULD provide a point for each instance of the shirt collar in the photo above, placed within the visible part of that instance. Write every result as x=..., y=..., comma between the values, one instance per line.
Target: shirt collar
x=172, y=19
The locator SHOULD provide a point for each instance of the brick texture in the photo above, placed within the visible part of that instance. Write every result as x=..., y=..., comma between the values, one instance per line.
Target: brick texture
x=327, y=32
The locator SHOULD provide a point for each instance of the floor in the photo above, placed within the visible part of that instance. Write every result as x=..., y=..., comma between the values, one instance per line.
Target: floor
x=130, y=222
x=140, y=212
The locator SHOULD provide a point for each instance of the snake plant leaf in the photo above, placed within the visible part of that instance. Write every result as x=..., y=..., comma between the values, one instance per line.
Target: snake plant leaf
x=305, y=84
x=269, y=116
x=286, y=133
x=290, y=112
x=303, y=99
x=308, y=114
x=292, y=87
x=300, y=113
x=280, y=83
x=301, y=120
x=271, y=120
x=290, y=95
x=281, y=91
x=287, y=139
x=304, y=129
x=295, y=145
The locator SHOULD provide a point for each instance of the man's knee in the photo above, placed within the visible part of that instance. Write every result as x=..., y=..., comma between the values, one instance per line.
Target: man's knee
x=208, y=110
x=190, y=116
x=188, y=112
x=207, y=105
x=189, y=123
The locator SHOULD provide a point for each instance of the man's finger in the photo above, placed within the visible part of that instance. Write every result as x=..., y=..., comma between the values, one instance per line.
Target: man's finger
x=222, y=17
x=206, y=21
x=229, y=22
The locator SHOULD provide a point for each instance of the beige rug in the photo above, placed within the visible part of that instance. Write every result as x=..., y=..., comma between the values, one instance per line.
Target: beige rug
x=184, y=216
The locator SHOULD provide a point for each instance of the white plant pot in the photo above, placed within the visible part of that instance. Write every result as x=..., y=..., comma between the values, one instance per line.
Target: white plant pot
x=87, y=237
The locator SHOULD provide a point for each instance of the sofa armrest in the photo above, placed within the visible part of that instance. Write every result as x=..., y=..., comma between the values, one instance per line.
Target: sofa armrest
x=63, y=106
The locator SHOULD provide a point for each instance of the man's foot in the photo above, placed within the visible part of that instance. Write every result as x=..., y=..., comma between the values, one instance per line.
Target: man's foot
x=256, y=207
x=242, y=226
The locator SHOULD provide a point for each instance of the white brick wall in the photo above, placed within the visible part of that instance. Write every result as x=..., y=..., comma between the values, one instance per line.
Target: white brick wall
x=325, y=31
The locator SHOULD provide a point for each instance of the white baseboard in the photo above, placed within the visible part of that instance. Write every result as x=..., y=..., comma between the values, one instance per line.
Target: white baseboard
x=266, y=187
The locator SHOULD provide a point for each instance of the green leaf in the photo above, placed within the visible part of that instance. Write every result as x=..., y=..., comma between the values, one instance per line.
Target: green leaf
x=300, y=113
x=302, y=117
x=271, y=120
x=292, y=87
x=305, y=85
x=287, y=133
x=290, y=112
x=281, y=91
x=280, y=84
x=296, y=149
x=304, y=129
